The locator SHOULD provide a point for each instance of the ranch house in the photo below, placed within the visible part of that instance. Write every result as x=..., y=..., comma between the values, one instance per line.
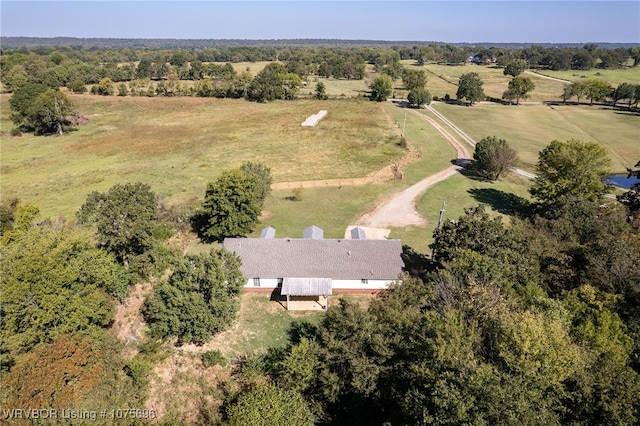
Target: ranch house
x=313, y=266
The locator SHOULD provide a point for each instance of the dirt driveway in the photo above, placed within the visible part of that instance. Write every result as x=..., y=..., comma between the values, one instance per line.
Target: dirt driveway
x=401, y=210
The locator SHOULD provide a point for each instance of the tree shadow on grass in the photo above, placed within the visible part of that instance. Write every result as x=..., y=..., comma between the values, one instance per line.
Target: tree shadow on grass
x=416, y=264
x=300, y=329
x=503, y=202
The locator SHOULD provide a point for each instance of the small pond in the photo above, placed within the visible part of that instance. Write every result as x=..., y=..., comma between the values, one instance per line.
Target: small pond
x=622, y=181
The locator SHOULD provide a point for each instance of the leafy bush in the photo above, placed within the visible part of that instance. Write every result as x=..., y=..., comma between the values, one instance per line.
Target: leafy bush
x=211, y=358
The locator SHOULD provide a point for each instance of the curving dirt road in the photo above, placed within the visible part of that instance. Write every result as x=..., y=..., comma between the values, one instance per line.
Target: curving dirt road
x=400, y=210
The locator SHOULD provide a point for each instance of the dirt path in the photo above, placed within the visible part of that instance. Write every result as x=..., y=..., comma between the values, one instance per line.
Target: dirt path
x=400, y=210
x=547, y=77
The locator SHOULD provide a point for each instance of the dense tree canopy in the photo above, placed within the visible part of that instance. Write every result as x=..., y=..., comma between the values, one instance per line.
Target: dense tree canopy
x=571, y=168
x=268, y=405
x=200, y=298
x=381, y=88
x=124, y=218
x=470, y=88
x=55, y=283
x=519, y=87
x=58, y=374
x=273, y=82
x=233, y=202
x=414, y=79
x=515, y=67
x=493, y=157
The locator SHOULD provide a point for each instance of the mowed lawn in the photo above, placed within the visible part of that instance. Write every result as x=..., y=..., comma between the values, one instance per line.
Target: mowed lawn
x=443, y=80
x=178, y=145
x=615, y=76
x=529, y=128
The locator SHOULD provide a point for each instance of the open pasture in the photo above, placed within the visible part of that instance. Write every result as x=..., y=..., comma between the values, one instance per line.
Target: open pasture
x=615, y=77
x=443, y=80
x=529, y=128
x=178, y=145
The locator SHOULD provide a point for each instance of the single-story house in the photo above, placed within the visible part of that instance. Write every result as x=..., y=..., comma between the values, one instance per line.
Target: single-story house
x=315, y=266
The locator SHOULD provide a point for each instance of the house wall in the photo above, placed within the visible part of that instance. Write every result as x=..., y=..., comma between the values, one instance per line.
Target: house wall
x=271, y=283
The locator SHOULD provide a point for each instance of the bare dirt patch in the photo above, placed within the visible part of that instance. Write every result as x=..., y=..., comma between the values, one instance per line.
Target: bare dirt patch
x=182, y=388
x=128, y=324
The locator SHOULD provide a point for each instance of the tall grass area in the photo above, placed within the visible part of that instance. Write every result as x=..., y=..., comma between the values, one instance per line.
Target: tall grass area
x=178, y=145
x=529, y=128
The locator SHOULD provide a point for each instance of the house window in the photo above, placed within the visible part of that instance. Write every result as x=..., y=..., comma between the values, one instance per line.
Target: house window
x=280, y=281
x=256, y=282
x=364, y=281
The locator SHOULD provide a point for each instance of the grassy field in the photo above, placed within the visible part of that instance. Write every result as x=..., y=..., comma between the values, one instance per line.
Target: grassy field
x=443, y=80
x=177, y=145
x=615, y=77
x=264, y=323
x=529, y=128
x=460, y=192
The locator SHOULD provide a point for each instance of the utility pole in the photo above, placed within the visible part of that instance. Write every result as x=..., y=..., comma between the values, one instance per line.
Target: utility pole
x=404, y=124
x=442, y=210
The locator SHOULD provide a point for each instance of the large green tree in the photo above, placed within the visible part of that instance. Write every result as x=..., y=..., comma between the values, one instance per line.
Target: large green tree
x=268, y=405
x=515, y=67
x=519, y=87
x=418, y=97
x=36, y=108
x=493, y=157
x=124, y=217
x=381, y=87
x=597, y=90
x=414, y=79
x=470, y=88
x=50, y=113
x=262, y=178
x=232, y=204
x=571, y=168
x=200, y=298
x=274, y=82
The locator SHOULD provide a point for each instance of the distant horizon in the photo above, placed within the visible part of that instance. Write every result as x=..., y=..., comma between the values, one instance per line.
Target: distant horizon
x=185, y=39
x=520, y=21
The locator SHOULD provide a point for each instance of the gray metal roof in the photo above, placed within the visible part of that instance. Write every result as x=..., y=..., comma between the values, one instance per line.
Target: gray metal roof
x=268, y=232
x=302, y=258
x=358, y=234
x=313, y=233
x=306, y=287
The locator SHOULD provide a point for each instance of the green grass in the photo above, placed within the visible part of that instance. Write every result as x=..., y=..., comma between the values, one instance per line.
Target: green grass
x=615, y=77
x=443, y=79
x=177, y=145
x=529, y=128
x=460, y=192
x=264, y=324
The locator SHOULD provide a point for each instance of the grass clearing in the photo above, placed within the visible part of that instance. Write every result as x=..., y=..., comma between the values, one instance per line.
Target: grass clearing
x=264, y=323
x=615, y=76
x=177, y=145
x=529, y=128
x=460, y=192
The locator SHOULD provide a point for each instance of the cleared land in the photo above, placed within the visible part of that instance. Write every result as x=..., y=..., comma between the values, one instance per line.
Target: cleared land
x=177, y=145
x=615, y=77
x=529, y=128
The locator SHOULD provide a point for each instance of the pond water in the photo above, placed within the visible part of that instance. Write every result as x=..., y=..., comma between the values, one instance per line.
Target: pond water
x=622, y=181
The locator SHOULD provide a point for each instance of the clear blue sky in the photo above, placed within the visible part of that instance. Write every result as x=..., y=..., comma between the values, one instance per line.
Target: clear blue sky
x=551, y=21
